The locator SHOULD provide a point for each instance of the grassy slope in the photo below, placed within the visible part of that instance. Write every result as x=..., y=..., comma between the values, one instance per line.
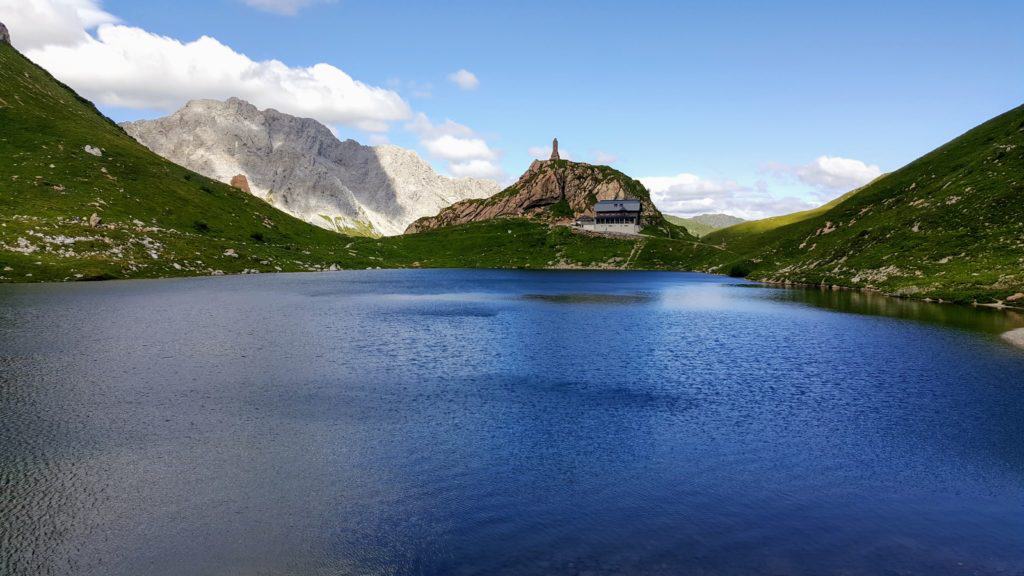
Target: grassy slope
x=698, y=229
x=527, y=243
x=159, y=219
x=696, y=225
x=155, y=214
x=748, y=229
x=949, y=225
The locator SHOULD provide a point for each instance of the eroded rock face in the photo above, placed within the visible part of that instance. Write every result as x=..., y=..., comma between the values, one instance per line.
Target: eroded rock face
x=545, y=184
x=300, y=167
x=5, y=36
x=241, y=182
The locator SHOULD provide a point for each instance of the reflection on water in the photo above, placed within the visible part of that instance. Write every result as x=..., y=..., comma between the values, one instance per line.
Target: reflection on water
x=497, y=422
x=583, y=298
x=982, y=319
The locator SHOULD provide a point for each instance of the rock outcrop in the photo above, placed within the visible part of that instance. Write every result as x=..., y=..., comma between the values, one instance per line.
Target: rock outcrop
x=5, y=36
x=300, y=167
x=555, y=190
x=241, y=182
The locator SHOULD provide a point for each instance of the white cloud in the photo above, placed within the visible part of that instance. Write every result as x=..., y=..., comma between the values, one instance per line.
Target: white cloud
x=688, y=195
x=129, y=67
x=605, y=157
x=284, y=7
x=544, y=152
x=37, y=23
x=467, y=153
x=477, y=169
x=464, y=79
x=830, y=174
x=421, y=124
x=418, y=90
x=448, y=147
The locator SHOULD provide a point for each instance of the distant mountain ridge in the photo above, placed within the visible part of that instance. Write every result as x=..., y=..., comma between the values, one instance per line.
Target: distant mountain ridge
x=704, y=224
x=300, y=167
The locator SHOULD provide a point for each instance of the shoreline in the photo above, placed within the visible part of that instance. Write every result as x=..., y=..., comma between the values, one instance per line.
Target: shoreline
x=997, y=305
x=1016, y=338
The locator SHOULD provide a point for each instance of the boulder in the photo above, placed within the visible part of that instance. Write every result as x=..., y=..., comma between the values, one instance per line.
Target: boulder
x=5, y=36
x=95, y=220
x=241, y=182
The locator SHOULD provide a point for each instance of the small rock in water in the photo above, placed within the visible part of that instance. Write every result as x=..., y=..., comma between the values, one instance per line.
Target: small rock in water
x=93, y=150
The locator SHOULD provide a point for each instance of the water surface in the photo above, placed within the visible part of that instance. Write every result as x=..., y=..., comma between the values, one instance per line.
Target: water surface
x=494, y=422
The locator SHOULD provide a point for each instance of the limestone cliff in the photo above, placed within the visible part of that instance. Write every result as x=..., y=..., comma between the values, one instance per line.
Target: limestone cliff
x=553, y=190
x=300, y=167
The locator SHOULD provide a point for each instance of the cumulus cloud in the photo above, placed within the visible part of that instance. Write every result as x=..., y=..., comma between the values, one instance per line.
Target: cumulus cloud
x=688, y=195
x=284, y=7
x=450, y=147
x=129, y=67
x=477, y=169
x=464, y=79
x=467, y=153
x=829, y=174
x=38, y=23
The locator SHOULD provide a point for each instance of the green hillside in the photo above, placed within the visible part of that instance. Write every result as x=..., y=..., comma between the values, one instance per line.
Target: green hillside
x=704, y=224
x=949, y=225
x=529, y=243
x=158, y=219
x=82, y=200
x=155, y=218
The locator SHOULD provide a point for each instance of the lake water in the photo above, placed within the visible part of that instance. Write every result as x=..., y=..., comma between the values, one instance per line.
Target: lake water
x=497, y=422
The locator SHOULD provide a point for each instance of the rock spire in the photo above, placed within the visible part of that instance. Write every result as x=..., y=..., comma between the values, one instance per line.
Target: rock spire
x=554, y=150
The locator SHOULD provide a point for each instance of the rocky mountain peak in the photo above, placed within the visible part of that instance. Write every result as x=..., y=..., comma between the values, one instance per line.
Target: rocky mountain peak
x=553, y=190
x=5, y=36
x=300, y=166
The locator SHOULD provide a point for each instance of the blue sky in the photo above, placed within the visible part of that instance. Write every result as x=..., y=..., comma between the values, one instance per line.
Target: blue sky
x=741, y=99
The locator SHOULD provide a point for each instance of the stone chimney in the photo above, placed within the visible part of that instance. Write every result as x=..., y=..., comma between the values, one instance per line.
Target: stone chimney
x=554, y=150
x=5, y=36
